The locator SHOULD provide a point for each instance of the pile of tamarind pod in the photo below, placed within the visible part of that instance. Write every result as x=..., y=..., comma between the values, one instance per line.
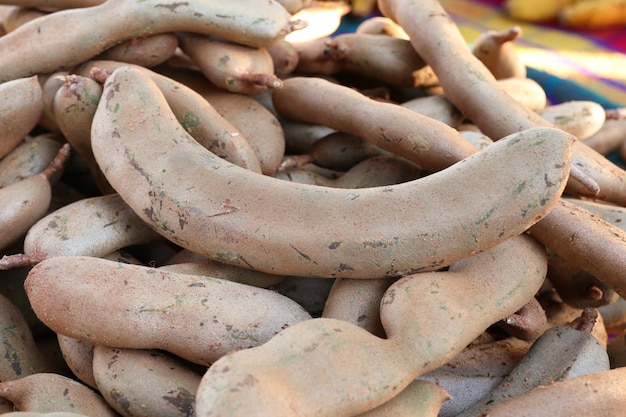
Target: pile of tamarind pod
x=201, y=216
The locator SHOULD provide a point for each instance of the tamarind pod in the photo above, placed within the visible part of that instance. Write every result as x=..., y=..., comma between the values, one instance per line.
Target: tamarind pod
x=53, y=4
x=368, y=249
x=594, y=394
x=230, y=66
x=20, y=353
x=35, y=414
x=262, y=24
x=497, y=51
x=386, y=59
x=357, y=301
x=428, y=143
x=614, y=314
x=561, y=353
x=610, y=137
x=341, y=151
x=19, y=16
x=146, y=51
x=93, y=226
x=29, y=158
x=528, y=323
x=475, y=371
x=380, y=25
x=155, y=309
x=581, y=118
x=299, y=136
x=197, y=116
x=477, y=139
x=284, y=57
x=419, y=398
x=437, y=107
x=294, y=6
x=23, y=203
x=46, y=392
x=144, y=382
x=78, y=355
x=379, y=171
x=526, y=91
x=321, y=18
x=21, y=108
x=50, y=83
x=269, y=377
x=304, y=176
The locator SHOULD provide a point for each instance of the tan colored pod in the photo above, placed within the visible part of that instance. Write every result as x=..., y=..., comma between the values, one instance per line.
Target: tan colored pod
x=610, y=137
x=437, y=107
x=146, y=51
x=274, y=378
x=526, y=91
x=145, y=382
x=525, y=173
x=340, y=151
x=380, y=25
x=29, y=158
x=19, y=16
x=428, y=143
x=250, y=23
x=581, y=118
x=56, y=4
x=285, y=58
x=50, y=83
x=496, y=49
x=195, y=317
x=420, y=398
x=595, y=394
x=21, y=101
x=78, y=355
x=49, y=392
x=230, y=66
x=93, y=226
x=23, y=203
x=300, y=136
x=35, y=414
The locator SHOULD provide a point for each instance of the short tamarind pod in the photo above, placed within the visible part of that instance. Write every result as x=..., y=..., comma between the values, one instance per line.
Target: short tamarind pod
x=497, y=51
x=230, y=66
x=19, y=16
x=526, y=91
x=20, y=354
x=581, y=118
x=261, y=25
x=528, y=323
x=428, y=143
x=197, y=116
x=341, y=151
x=385, y=59
x=610, y=137
x=594, y=394
x=614, y=314
x=477, y=139
x=21, y=109
x=23, y=203
x=284, y=57
x=146, y=51
x=50, y=83
x=357, y=301
x=341, y=251
x=270, y=377
x=47, y=392
x=78, y=355
x=419, y=398
x=93, y=226
x=380, y=25
x=145, y=382
x=437, y=107
x=160, y=309
x=29, y=158
x=561, y=353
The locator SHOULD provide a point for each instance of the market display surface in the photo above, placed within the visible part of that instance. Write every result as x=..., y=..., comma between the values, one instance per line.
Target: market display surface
x=231, y=209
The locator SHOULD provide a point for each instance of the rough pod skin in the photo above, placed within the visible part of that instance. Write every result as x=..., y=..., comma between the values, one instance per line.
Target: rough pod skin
x=365, y=233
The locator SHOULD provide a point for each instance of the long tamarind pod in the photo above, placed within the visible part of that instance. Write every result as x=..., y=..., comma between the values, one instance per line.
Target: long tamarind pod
x=146, y=51
x=428, y=143
x=268, y=380
x=93, y=226
x=21, y=108
x=562, y=352
x=49, y=392
x=29, y=158
x=23, y=203
x=525, y=174
x=195, y=317
x=145, y=382
x=594, y=394
x=247, y=22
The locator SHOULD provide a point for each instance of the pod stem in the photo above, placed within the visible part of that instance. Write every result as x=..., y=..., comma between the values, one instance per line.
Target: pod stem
x=262, y=79
x=58, y=162
x=509, y=35
x=589, y=183
x=586, y=321
x=616, y=114
x=19, y=260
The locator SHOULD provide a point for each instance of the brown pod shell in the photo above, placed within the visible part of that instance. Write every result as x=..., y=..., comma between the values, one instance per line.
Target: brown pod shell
x=146, y=51
x=21, y=100
x=78, y=355
x=29, y=158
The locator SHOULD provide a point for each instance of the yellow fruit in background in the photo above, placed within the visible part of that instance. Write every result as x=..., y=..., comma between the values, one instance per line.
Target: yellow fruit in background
x=594, y=14
x=535, y=10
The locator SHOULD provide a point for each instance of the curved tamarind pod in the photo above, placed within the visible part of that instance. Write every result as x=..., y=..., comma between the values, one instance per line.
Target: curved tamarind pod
x=380, y=25
x=610, y=137
x=155, y=309
x=29, y=158
x=420, y=398
x=49, y=392
x=230, y=66
x=561, y=353
x=268, y=380
x=93, y=226
x=145, y=382
x=428, y=143
x=23, y=203
x=581, y=118
x=246, y=237
x=497, y=51
x=78, y=355
x=386, y=59
x=146, y=51
x=437, y=107
x=528, y=323
x=594, y=394
x=261, y=25
x=21, y=109
x=614, y=314
x=197, y=116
